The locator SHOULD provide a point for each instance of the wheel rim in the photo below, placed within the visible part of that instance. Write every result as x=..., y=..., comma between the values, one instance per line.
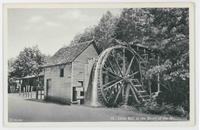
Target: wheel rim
x=119, y=66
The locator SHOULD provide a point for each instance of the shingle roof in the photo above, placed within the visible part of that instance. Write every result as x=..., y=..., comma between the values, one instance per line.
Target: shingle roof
x=67, y=54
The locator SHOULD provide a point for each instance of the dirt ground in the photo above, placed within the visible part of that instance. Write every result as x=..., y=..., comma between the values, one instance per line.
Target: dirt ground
x=25, y=110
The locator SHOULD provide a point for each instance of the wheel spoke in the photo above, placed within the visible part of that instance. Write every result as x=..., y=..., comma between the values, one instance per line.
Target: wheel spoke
x=118, y=66
x=111, y=66
x=111, y=83
x=129, y=66
x=132, y=87
x=133, y=51
x=105, y=88
x=119, y=91
x=111, y=92
x=130, y=76
x=111, y=72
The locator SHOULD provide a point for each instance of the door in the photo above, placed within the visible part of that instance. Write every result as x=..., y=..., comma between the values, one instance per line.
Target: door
x=49, y=87
x=74, y=94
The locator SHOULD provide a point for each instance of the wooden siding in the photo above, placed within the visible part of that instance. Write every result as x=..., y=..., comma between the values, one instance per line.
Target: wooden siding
x=80, y=66
x=60, y=86
x=76, y=71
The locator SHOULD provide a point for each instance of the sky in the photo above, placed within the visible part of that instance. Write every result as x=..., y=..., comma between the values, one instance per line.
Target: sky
x=50, y=29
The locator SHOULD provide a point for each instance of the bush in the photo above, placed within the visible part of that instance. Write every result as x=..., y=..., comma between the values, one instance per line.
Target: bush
x=179, y=111
x=152, y=107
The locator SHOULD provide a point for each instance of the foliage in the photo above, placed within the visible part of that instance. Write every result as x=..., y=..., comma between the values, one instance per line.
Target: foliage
x=131, y=25
x=166, y=31
x=105, y=31
x=153, y=107
x=28, y=62
x=87, y=35
x=103, y=34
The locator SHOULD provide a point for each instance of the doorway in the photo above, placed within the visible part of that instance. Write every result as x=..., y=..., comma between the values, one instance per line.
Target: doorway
x=74, y=98
x=49, y=87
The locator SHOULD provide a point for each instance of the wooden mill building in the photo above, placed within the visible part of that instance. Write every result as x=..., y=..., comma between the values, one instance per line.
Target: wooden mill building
x=66, y=73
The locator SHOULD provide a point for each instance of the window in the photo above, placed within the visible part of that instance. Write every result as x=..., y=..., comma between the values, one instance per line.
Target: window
x=82, y=93
x=62, y=72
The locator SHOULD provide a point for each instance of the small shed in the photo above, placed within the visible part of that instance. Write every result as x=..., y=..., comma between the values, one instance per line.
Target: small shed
x=30, y=80
x=66, y=73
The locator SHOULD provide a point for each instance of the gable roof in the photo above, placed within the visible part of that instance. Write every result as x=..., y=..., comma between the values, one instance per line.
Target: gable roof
x=68, y=54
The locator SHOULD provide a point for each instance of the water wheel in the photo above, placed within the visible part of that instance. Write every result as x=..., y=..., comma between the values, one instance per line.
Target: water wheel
x=117, y=76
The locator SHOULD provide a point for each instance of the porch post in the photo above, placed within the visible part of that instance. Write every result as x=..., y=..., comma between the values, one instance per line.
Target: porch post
x=31, y=88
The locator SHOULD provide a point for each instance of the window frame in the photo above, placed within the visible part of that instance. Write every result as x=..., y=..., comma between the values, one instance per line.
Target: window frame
x=62, y=72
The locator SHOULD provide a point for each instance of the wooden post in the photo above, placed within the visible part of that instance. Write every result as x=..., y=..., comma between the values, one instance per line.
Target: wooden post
x=31, y=91
x=37, y=91
x=23, y=91
x=158, y=77
x=127, y=94
x=19, y=86
x=123, y=94
x=124, y=63
x=40, y=93
x=149, y=84
x=37, y=87
x=26, y=90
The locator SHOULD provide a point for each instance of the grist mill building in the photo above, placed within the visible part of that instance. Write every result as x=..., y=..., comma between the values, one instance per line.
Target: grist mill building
x=66, y=73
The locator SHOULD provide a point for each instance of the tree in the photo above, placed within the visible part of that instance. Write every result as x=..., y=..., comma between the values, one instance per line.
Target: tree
x=10, y=73
x=102, y=34
x=131, y=25
x=105, y=31
x=28, y=62
x=165, y=30
x=87, y=35
x=169, y=34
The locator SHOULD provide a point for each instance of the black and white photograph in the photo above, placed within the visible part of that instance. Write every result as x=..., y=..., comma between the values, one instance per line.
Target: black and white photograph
x=99, y=63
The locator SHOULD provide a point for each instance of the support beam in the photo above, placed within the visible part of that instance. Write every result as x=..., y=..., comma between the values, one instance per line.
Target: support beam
x=28, y=90
x=31, y=90
x=149, y=85
x=158, y=76
x=40, y=93
x=19, y=87
x=124, y=62
x=127, y=92
x=37, y=91
x=24, y=90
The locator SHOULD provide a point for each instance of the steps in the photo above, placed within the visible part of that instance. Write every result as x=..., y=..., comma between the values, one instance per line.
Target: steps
x=141, y=93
